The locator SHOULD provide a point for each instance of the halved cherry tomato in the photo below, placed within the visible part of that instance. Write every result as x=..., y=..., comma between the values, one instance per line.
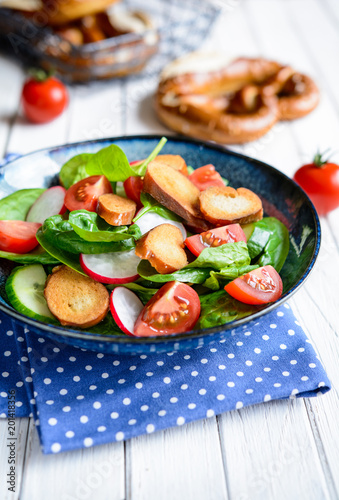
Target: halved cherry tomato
x=133, y=187
x=215, y=238
x=205, y=177
x=174, y=308
x=18, y=236
x=257, y=287
x=83, y=195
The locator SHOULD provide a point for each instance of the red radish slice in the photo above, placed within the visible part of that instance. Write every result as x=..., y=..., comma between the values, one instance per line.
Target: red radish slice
x=51, y=202
x=125, y=307
x=151, y=220
x=114, y=267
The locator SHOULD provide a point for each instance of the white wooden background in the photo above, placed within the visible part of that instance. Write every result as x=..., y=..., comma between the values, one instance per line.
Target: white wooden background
x=278, y=450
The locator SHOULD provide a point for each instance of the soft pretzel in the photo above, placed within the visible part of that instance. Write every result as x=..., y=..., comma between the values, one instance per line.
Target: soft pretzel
x=208, y=97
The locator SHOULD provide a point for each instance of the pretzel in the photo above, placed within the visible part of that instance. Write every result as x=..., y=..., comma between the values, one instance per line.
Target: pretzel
x=210, y=98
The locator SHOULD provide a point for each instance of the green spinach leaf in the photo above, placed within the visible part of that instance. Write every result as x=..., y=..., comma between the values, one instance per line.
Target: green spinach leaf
x=144, y=294
x=151, y=205
x=191, y=275
x=140, y=170
x=67, y=258
x=219, y=278
x=269, y=243
x=61, y=235
x=16, y=205
x=218, y=308
x=36, y=256
x=229, y=255
x=106, y=327
x=74, y=169
x=90, y=227
x=113, y=163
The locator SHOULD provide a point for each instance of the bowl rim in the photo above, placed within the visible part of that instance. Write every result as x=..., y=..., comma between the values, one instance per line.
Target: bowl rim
x=193, y=334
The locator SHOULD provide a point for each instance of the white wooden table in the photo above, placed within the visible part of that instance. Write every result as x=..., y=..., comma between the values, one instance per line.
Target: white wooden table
x=278, y=450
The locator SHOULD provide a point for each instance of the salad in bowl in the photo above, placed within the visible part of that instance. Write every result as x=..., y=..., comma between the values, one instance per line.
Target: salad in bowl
x=146, y=249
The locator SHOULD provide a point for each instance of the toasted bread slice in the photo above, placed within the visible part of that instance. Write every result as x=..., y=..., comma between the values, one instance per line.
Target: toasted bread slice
x=176, y=192
x=163, y=248
x=226, y=205
x=174, y=161
x=74, y=299
x=116, y=210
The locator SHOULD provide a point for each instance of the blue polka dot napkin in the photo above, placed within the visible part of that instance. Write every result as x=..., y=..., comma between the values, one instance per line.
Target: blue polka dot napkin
x=81, y=398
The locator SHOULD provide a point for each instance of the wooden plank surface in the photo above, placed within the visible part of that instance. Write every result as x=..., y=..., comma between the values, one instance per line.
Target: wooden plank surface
x=278, y=450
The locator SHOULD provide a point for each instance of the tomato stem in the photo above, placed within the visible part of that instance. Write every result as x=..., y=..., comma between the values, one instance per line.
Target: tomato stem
x=39, y=74
x=318, y=158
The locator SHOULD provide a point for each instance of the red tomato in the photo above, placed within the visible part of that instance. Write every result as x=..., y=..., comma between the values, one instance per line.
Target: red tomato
x=257, y=287
x=320, y=180
x=133, y=187
x=44, y=100
x=83, y=195
x=205, y=177
x=18, y=236
x=215, y=238
x=174, y=308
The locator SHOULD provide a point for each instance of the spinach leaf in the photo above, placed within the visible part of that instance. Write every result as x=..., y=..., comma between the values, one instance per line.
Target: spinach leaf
x=151, y=205
x=230, y=259
x=225, y=256
x=269, y=243
x=140, y=170
x=16, y=205
x=144, y=294
x=70, y=259
x=61, y=235
x=191, y=275
x=218, y=279
x=74, y=169
x=36, y=256
x=106, y=327
x=113, y=163
x=90, y=227
x=218, y=308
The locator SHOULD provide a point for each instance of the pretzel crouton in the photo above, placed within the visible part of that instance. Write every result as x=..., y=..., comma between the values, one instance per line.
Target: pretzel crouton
x=176, y=192
x=74, y=299
x=163, y=248
x=116, y=210
x=226, y=205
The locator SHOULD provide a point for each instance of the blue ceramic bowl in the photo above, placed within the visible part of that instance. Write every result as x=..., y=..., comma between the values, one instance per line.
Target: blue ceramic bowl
x=281, y=198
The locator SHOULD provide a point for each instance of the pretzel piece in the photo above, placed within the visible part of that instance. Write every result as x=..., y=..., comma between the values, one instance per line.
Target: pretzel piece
x=231, y=103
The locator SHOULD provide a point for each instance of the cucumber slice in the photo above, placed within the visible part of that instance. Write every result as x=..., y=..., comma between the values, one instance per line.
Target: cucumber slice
x=25, y=291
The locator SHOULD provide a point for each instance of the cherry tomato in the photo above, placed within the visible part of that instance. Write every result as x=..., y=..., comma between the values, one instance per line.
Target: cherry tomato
x=174, y=308
x=133, y=187
x=44, y=100
x=83, y=195
x=215, y=238
x=320, y=180
x=257, y=287
x=18, y=236
x=205, y=177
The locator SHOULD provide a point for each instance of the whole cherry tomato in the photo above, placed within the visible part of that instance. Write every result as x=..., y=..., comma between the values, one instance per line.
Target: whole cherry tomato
x=320, y=180
x=43, y=98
